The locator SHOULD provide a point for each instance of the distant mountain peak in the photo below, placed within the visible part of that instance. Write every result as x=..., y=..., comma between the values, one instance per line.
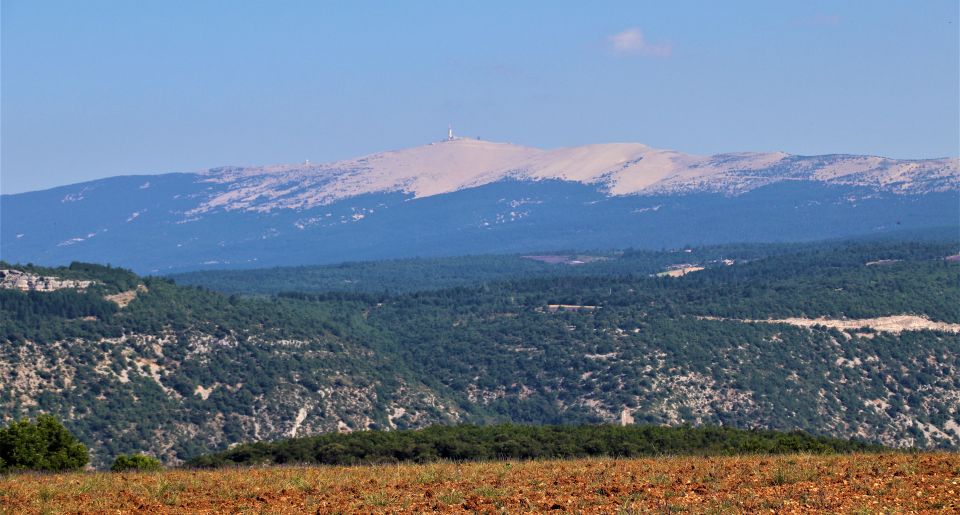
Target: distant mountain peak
x=619, y=168
x=467, y=196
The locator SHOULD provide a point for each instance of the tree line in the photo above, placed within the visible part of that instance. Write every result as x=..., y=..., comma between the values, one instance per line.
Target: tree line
x=523, y=442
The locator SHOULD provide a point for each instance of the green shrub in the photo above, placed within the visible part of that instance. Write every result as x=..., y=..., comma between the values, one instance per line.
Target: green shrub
x=41, y=445
x=135, y=462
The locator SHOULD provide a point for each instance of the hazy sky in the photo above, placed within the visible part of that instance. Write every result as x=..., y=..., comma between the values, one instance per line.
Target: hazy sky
x=98, y=88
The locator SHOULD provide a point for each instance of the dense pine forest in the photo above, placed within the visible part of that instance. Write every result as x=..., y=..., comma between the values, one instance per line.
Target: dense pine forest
x=179, y=371
x=506, y=441
x=410, y=275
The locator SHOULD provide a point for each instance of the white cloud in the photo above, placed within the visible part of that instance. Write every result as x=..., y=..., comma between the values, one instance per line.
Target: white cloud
x=632, y=42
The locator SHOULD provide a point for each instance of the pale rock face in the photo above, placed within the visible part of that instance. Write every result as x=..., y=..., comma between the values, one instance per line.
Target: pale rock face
x=23, y=281
x=618, y=168
x=435, y=169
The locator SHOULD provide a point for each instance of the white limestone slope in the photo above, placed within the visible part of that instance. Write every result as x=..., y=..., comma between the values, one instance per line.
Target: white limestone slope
x=617, y=168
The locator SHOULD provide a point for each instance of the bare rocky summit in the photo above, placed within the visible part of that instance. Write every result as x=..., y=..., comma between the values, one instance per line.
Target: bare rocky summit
x=617, y=168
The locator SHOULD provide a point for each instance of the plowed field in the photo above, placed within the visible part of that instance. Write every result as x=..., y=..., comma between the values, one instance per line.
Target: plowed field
x=870, y=483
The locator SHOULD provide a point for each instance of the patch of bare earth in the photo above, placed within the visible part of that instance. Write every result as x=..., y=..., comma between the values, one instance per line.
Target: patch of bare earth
x=553, y=308
x=680, y=272
x=124, y=298
x=890, y=324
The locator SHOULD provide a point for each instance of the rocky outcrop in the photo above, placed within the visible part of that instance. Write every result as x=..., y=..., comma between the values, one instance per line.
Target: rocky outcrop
x=25, y=281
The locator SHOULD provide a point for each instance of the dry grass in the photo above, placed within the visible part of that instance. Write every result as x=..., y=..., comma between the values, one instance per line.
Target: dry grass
x=870, y=483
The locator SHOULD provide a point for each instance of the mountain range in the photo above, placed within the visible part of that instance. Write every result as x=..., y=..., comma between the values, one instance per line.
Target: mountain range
x=468, y=196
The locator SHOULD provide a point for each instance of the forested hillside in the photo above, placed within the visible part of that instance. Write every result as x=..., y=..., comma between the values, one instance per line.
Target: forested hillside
x=177, y=371
x=410, y=275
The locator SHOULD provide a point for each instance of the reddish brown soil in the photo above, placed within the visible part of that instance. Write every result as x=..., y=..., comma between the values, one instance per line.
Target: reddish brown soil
x=884, y=483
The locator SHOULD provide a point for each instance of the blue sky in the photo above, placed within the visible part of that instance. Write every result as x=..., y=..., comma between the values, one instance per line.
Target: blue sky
x=99, y=88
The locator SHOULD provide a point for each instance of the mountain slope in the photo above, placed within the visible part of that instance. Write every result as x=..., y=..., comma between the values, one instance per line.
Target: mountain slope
x=470, y=196
x=177, y=371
